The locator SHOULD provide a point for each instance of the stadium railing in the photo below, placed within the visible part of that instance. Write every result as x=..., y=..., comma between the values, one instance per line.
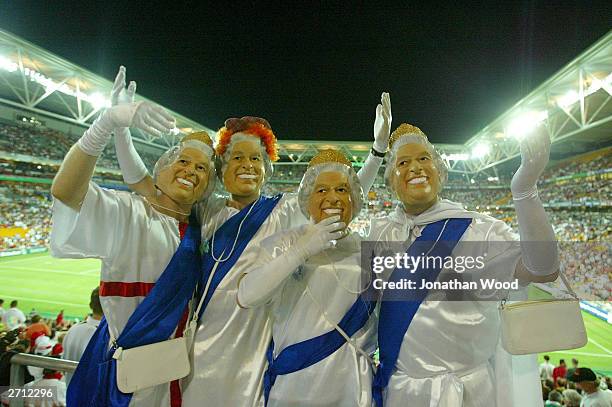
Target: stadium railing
x=21, y=360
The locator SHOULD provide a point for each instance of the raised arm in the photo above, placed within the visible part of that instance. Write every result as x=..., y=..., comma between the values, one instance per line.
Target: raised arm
x=382, y=127
x=259, y=285
x=540, y=257
x=70, y=183
x=134, y=171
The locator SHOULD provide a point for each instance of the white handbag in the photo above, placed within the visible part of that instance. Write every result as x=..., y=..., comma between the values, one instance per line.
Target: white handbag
x=543, y=325
x=158, y=363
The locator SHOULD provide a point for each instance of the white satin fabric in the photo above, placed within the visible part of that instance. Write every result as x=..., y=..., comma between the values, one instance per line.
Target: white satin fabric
x=311, y=301
x=448, y=354
x=230, y=344
x=135, y=244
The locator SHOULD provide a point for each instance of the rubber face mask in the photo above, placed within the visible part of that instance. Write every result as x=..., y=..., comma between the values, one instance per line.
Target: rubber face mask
x=244, y=170
x=415, y=178
x=331, y=196
x=186, y=179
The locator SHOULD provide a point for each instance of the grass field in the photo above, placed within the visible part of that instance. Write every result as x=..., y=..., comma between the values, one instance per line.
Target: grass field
x=49, y=285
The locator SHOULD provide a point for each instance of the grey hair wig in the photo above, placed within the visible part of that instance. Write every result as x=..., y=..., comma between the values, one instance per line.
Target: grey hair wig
x=308, y=183
x=439, y=162
x=221, y=161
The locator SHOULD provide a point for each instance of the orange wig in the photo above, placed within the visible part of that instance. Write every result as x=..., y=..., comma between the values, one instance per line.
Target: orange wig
x=264, y=133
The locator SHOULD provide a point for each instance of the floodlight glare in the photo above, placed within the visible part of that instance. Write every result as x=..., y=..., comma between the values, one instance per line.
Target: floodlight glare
x=524, y=124
x=7, y=64
x=480, y=150
x=568, y=99
x=98, y=101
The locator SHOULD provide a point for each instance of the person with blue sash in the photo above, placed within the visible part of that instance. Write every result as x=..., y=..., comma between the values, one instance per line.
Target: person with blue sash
x=137, y=240
x=323, y=315
x=229, y=350
x=447, y=353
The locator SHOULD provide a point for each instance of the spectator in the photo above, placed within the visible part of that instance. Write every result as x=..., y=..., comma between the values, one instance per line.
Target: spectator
x=586, y=380
x=571, y=370
x=77, y=338
x=572, y=398
x=561, y=384
x=554, y=399
x=559, y=371
x=546, y=368
x=60, y=319
x=2, y=311
x=37, y=326
x=13, y=318
x=50, y=378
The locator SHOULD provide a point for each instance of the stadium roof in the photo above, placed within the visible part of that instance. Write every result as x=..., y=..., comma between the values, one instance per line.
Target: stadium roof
x=573, y=103
x=41, y=82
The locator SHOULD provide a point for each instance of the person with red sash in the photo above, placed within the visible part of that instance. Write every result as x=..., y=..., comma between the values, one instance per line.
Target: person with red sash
x=443, y=352
x=135, y=237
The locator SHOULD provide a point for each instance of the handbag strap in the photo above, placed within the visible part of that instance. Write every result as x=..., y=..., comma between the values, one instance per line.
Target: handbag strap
x=567, y=285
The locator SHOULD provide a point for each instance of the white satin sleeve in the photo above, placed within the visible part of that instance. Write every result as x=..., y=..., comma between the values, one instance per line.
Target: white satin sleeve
x=367, y=173
x=96, y=229
x=274, y=265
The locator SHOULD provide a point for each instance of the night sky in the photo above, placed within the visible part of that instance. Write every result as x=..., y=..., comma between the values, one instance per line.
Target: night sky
x=317, y=72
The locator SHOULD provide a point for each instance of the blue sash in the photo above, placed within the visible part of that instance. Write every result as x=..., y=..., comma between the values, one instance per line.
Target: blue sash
x=155, y=319
x=225, y=237
x=304, y=354
x=396, y=315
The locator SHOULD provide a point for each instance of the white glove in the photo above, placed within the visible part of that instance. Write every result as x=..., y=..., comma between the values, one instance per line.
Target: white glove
x=259, y=285
x=535, y=152
x=145, y=116
x=132, y=167
x=317, y=238
x=382, y=124
x=538, y=242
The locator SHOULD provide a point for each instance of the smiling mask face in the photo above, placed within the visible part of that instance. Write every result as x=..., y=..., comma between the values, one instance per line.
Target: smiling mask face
x=331, y=196
x=186, y=179
x=415, y=178
x=245, y=169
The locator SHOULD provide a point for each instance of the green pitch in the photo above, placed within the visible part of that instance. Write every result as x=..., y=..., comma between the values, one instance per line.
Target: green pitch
x=49, y=285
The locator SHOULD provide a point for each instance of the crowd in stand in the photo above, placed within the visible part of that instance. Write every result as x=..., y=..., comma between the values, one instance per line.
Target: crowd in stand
x=574, y=386
x=53, y=145
x=51, y=337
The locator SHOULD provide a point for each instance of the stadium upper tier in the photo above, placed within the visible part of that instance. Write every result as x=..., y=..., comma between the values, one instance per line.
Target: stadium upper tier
x=572, y=104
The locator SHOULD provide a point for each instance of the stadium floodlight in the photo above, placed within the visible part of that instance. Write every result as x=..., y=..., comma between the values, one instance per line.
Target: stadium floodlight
x=568, y=99
x=524, y=124
x=456, y=157
x=98, y=101
x=480, y=150
x=7, y=64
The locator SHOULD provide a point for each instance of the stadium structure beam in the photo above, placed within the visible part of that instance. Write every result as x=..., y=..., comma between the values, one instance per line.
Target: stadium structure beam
x=572, y=102
x=38, y=81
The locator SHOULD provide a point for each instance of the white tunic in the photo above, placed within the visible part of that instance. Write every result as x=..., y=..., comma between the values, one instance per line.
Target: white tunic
x=448, y=352
x=76, y=340
x=230, y=343
x=310, y=302
x=135, y=244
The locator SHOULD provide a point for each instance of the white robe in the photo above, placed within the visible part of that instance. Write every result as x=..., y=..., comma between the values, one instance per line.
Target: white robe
x=135, y=244
x=230, y=343
x=451, y=351
x=333, y=278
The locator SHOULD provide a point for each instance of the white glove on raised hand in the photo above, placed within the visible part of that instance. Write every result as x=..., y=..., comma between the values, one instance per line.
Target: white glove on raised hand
x=132, y=167
x=317, y=238
x=535, y=152
x=382, y=124
x=119, y=94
